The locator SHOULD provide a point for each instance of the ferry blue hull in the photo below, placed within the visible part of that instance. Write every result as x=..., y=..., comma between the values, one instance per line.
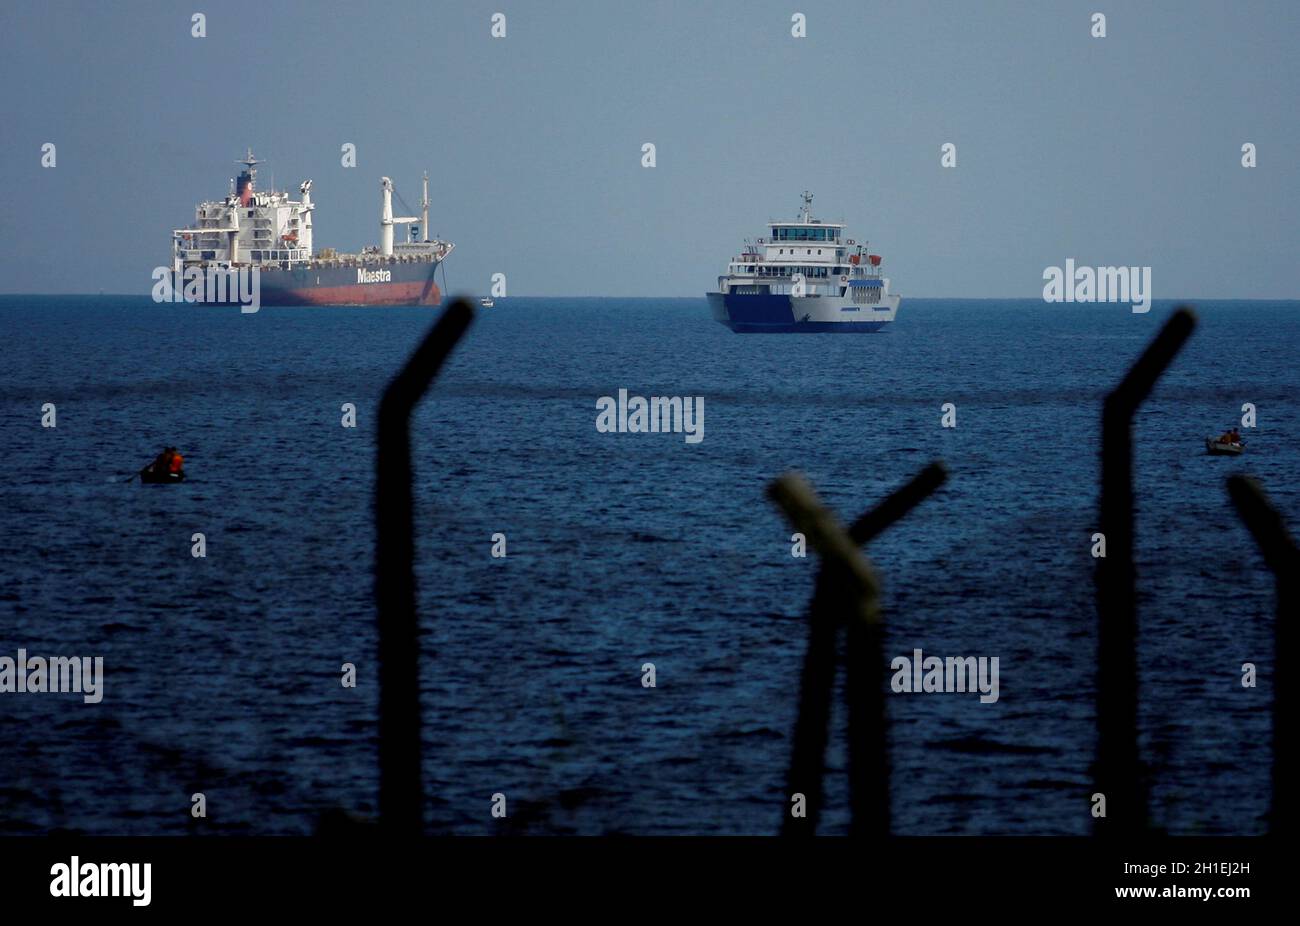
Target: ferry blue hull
x=775, y=314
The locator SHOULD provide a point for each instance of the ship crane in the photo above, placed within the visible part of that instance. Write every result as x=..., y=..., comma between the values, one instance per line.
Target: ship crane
x=387, y=220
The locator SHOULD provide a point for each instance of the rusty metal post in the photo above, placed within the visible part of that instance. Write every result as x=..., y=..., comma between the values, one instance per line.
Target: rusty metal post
x=1118, y=768
x=844, y=595
x=849, y=594
x=1282, y=557
x=868, y=732
x=401, y=799
x=869, y=767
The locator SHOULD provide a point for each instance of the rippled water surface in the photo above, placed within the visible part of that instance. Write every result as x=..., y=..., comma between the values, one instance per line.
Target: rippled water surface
x=222, y=674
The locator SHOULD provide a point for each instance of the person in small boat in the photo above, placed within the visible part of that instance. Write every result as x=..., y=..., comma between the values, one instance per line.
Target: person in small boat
x=169, y=461
x=1234, y=436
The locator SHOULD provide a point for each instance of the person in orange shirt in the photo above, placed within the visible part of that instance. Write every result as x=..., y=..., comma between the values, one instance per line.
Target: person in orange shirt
x=160, y=462
x=177, y=461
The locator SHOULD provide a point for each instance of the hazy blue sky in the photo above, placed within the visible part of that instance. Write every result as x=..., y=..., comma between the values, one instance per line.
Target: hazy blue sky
x=1122, y=150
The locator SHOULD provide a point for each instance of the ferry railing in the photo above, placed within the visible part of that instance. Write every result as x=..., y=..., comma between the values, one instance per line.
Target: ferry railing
x=1118, y=769
x=846, y=594
x=1282, y=557
x=401, y=800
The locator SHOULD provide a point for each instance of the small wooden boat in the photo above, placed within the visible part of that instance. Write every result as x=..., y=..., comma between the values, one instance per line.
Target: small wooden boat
x=149, y=477
x=1223, y=448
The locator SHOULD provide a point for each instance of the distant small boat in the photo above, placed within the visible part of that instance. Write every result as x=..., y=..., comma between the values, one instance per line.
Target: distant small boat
x=486, y=302
x=1223, y=448
x=151, y=478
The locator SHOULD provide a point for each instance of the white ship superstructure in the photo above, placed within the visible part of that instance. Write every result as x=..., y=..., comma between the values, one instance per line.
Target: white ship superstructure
x=806, y=277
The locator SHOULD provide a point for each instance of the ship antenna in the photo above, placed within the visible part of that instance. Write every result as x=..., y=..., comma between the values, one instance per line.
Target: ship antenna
x=249, y=161
x=250, y=171
x=806, y=213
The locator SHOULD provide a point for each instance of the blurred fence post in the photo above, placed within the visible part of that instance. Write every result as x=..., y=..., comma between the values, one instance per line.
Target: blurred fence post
x=846, y=593
x=1118, y=768
x=401, y=798
x=1280, y=554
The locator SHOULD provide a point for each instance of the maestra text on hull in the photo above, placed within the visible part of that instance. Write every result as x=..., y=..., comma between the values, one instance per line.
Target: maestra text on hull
x=272, y=233
x=805, y=278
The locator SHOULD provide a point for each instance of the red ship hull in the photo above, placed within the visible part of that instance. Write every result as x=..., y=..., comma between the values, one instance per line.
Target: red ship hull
x=410, y=284
x=372, y=294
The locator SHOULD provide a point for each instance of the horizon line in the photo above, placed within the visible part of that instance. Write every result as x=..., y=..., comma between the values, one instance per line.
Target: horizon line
x=99, y=295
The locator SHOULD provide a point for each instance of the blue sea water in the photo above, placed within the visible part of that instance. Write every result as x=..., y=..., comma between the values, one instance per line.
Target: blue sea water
x=222, y=674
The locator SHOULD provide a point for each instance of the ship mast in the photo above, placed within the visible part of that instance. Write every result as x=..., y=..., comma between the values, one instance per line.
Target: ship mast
x=247, y=184
x=805, y=214
x=424, y=205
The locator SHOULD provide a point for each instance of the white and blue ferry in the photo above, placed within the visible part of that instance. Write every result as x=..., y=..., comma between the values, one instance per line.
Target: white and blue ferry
x=806, y=277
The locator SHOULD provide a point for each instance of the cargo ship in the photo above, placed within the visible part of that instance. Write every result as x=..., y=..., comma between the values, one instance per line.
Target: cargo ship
x=271, y=233
x=807, y=277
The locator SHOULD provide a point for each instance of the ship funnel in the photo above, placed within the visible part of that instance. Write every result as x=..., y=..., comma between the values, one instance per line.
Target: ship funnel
x=245, y=186
x=386, y=218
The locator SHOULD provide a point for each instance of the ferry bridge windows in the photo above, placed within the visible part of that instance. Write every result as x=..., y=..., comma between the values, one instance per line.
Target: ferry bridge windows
x=805, y=234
